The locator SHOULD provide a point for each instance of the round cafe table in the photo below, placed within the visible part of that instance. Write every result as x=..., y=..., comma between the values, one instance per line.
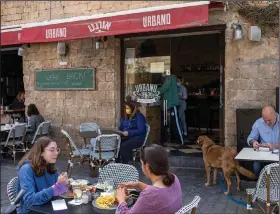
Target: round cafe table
x=72, y=209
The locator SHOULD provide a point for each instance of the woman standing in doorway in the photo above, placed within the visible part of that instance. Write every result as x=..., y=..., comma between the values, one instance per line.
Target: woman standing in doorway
x=183, y=95
x=133, y=131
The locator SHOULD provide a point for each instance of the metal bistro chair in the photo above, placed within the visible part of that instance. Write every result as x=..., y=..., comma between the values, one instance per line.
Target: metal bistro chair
x=12, y=189
x=119, y=173
x=43, y=130
x=136, y=151
x=15, y=140
x=267, y=189
x=191, y=207
x=75, y=152
x=105, y=149
x=85, y=127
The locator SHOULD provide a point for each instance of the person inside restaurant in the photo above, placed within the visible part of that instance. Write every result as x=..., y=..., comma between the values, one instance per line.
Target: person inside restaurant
x=169, y=90
x=265, y=133
x=38, y=176
x=183, y=95
x=133, y=131
x=5, y=119
x=34, y=120
x=165, y=193
x=18, y=102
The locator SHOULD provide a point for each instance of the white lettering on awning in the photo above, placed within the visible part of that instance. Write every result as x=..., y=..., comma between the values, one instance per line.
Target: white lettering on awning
x=99, y=26
x=56, y=33
x=157, y=20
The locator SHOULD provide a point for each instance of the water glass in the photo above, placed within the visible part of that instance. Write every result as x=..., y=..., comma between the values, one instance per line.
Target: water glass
x=109, y=185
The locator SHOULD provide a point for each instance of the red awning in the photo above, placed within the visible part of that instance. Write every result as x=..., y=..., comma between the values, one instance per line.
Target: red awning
x=124, y=22
x=11, y=36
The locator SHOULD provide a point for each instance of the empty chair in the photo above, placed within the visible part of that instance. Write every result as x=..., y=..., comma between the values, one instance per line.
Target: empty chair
x=191, y=207
x=118, y=173
x=136, y=151
x=12, y=188
x=84, y=155
x=15, y=141
x=84, y=127
x=43, y=130
x=105, y=149
x=267, y=188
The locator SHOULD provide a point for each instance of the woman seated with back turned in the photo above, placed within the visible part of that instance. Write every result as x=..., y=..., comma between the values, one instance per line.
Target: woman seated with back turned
x=163, y=196
x=34, y=120
x=133, y=131
x=38, y=175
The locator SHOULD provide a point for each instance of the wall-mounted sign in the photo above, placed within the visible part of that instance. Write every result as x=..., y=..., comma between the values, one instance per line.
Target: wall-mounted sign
x=146, y=93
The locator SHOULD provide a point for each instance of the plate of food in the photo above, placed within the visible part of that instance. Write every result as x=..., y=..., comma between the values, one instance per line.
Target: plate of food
x=108, y=202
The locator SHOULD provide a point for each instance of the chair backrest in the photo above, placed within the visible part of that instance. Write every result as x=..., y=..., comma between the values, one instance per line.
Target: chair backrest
x=43, y=129
x=18, y=131
x=90, y=127
x=191, y=207
x=107, y=142
x=119, y=173
x=12, y=188
x=148, y=128
x=273, y=170
x=71, y=143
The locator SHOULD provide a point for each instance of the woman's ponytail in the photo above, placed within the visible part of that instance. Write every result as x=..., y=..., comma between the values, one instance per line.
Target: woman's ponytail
x=168, y=179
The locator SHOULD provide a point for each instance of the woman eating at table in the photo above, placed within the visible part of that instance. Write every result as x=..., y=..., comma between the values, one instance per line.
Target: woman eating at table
x=38, y=175
x=34, y=120
x=133, y=131
x=163, y=196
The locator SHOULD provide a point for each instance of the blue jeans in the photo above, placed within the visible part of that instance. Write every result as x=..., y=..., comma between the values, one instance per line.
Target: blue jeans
x=258, y=166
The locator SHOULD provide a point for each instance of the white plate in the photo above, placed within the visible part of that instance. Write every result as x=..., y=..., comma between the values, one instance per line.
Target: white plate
x=79, y=182
x=113, y=207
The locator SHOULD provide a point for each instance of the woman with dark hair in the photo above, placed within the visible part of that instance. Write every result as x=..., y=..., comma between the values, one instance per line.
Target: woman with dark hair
x=34, y=120
x=38, y=175
x=165, y=193
x=133, y=131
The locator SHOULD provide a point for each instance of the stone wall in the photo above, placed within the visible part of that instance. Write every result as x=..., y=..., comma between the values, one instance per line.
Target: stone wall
x=68, y=109
x=251, y=71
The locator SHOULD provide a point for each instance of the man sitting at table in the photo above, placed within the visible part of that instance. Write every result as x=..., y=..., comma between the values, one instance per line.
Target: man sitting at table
x=265, y=133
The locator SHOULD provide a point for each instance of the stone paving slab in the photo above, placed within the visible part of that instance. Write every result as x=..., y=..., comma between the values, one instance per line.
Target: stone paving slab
x=192, y=181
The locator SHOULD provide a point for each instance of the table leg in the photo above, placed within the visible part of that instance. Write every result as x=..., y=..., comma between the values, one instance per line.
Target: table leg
x=268, y=192
x=249, y=203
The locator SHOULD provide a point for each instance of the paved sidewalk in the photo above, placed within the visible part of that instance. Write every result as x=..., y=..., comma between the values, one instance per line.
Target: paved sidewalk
x=192, y=182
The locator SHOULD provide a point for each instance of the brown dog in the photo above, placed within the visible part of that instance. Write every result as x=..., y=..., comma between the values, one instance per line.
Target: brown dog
x=221, y=157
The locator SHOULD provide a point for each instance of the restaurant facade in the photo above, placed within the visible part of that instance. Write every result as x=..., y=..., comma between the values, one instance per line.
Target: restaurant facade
x=125, y=47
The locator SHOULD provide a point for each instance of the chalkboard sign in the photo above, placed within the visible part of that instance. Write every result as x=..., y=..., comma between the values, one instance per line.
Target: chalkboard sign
x=65, y=79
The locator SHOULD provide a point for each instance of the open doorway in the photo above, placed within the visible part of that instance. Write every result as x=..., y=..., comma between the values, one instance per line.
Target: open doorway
x=198, y=58
x=11, y=75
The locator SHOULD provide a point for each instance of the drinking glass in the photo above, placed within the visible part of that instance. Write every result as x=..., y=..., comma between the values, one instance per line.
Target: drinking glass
x=109, y=185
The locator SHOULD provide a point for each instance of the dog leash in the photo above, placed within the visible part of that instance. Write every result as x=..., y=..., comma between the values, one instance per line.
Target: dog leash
x=240, y=202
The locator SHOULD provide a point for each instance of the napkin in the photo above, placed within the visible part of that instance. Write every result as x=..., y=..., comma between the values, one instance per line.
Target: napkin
x=73, y=202
x=59, y=205
x=263, y=149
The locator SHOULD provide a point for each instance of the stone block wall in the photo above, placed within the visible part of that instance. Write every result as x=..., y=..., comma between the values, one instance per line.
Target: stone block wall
x=251, y=70
x=68, y=109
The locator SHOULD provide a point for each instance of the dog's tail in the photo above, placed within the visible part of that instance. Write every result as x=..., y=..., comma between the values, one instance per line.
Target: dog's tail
x=245, y=172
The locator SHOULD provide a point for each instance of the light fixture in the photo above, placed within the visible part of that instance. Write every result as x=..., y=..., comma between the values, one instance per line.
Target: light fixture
x=61, y=48
x=22, y=48
x=101, y=39
x=237, y=33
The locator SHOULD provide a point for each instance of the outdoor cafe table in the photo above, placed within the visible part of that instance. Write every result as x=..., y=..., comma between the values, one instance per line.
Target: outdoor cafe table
x=5, y=128
x=250, y=154
x=93, y=134
x=81, y=209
